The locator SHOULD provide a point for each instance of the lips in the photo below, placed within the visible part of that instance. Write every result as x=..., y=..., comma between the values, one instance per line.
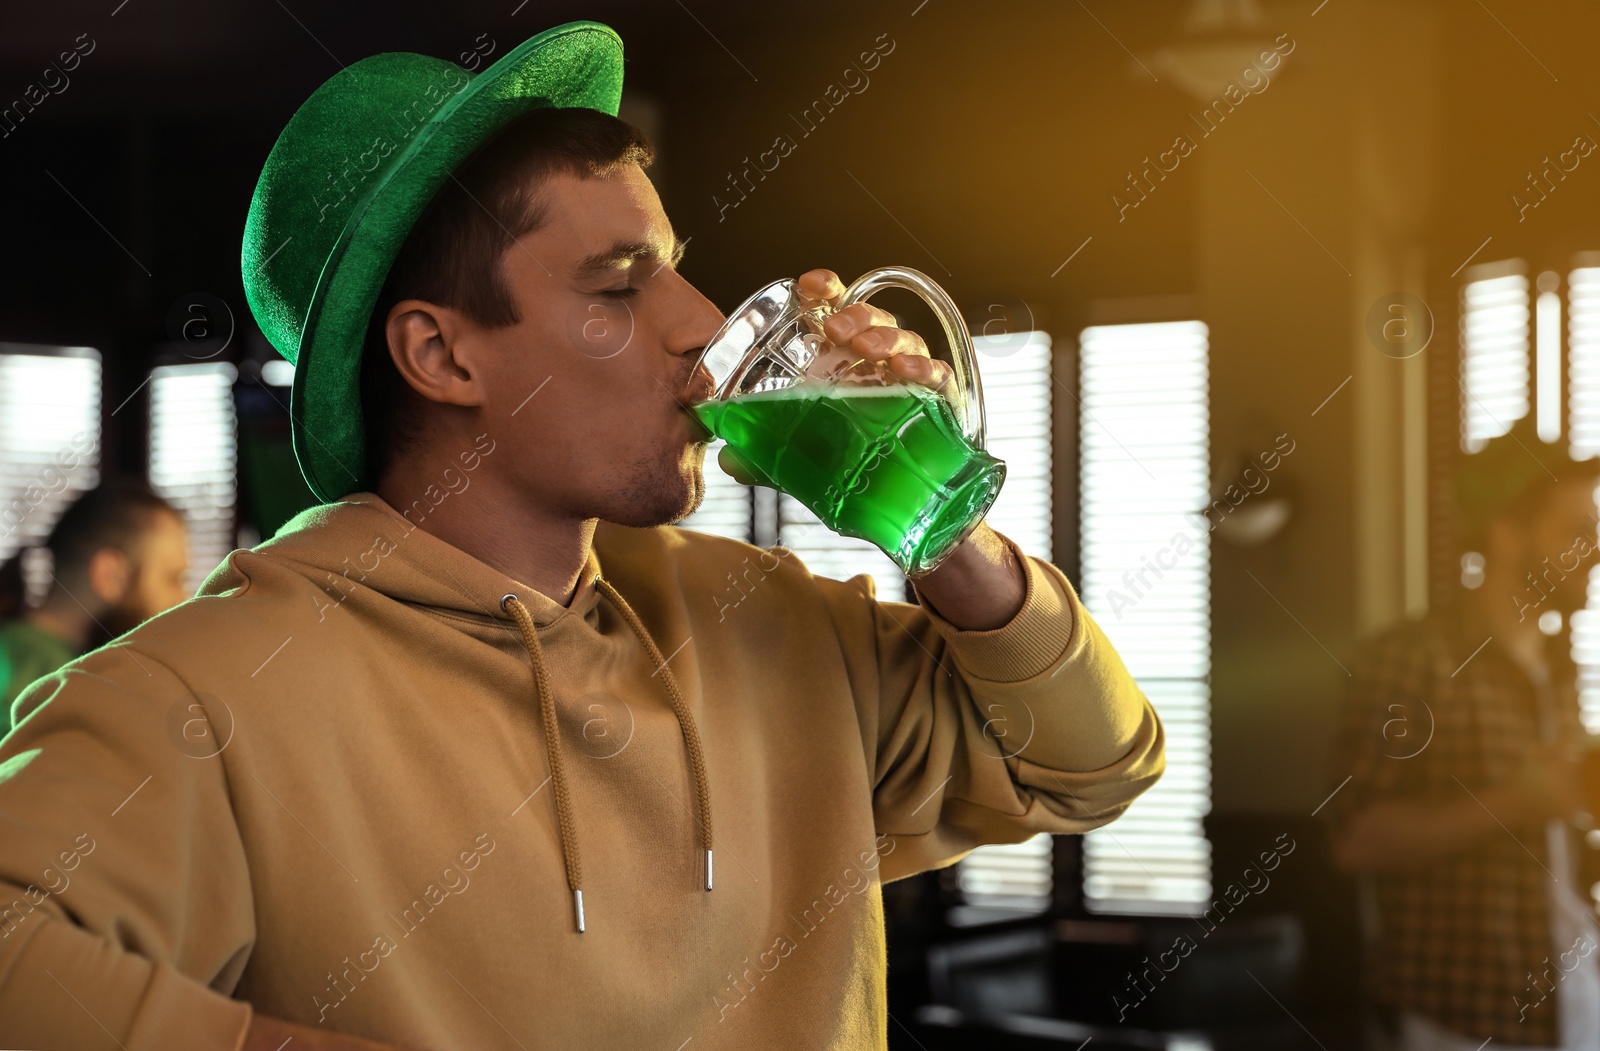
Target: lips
x=695, y=395
x=698, y=389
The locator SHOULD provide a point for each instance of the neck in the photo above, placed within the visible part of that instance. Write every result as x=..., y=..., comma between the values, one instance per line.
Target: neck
x=521, y=538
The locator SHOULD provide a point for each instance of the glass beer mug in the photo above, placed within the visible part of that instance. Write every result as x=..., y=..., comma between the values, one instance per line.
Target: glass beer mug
x=871, y=455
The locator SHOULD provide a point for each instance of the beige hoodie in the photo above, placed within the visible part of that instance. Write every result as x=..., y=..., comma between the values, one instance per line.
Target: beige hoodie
x=324, y=790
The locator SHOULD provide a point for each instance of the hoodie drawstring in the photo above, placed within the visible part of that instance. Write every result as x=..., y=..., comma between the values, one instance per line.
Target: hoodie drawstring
x=547, y=709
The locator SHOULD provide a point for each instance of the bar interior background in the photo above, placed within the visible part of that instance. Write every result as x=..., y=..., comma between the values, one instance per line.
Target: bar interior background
x=1062, y=169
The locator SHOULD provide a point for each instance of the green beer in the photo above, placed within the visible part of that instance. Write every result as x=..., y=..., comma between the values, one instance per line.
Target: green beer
x=887, y=464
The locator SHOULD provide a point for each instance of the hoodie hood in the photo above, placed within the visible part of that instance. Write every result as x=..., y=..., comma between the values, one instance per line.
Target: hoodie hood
x=393, y=554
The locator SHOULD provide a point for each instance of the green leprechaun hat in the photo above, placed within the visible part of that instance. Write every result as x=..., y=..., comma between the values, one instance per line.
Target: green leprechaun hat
x=343, y=186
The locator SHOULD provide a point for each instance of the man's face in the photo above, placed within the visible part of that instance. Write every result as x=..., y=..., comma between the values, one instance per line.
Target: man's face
x=157, y=569
x=1563, y=531
x=586, y=393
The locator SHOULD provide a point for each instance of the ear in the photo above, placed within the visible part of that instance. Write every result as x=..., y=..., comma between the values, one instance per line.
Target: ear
x=110, y=574
x=427, y=343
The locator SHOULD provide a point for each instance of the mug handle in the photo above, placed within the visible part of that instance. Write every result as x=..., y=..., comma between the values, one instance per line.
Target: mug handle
x=964, y=359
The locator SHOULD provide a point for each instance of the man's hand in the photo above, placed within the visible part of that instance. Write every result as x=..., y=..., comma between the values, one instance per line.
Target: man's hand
x=979, y=586
x=871, y=334
x=859, y=331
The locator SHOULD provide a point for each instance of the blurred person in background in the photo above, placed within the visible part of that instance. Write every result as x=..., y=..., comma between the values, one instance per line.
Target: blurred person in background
x=1458, y=775
x=120, y=555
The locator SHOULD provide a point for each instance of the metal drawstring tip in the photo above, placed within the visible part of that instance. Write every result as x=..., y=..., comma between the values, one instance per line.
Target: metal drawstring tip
x=577, y=897
x=708, y=869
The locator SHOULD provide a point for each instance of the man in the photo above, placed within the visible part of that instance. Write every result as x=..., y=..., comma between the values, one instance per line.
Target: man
x=1457, y=779
x=464, y=757
x=119, y=555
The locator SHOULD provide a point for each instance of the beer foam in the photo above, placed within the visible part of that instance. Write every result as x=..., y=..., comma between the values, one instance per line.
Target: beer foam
x=842, y=390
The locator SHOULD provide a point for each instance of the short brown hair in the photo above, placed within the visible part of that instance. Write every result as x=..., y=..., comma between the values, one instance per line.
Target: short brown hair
x=452, y=256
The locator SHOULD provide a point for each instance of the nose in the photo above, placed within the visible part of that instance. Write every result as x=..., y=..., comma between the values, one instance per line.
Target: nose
x=696, y=319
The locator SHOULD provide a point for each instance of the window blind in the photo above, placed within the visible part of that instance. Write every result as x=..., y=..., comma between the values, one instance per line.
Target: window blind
x=1144, y=476
x=1494, y=352
x=1583, y=409
x=1583, y=361
x=194, y=455
x=1017, y=387
x=49, y=443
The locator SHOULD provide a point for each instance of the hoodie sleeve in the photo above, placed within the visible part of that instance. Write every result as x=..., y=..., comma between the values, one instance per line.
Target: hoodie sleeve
x=125, y=903
x=994, y=736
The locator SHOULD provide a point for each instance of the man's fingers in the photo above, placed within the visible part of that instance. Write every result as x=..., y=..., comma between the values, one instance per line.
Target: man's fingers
x=820, y=286
x=873, y=333
x=854, y=320
x=904, y=353
x=922, y=369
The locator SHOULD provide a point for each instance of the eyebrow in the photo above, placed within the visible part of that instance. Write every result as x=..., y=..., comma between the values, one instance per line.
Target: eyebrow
x=627, y=252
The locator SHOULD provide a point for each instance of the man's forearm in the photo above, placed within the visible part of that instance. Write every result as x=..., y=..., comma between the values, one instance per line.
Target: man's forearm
x=980, y=586
x=1398, y=834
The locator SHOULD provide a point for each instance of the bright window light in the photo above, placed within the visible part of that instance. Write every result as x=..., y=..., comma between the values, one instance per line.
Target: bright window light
x=1586, y=654
x=1494, y=352
x=1008, y=875
x=194, y=455
x=1144, y=435
x=49, y=442
x=1017, y=387
x=1583, y=387
x=1583, y=361
x=1547, y=357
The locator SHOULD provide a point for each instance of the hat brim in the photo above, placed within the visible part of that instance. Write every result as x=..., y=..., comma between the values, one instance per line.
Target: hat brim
x=579, y=64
